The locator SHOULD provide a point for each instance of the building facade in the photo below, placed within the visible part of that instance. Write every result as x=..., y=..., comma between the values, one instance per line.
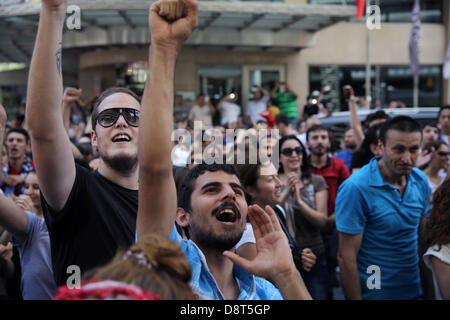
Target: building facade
x=309, y=43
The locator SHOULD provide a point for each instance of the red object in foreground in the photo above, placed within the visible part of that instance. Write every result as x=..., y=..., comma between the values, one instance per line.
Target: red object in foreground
x=95, y=289
x=269, y=117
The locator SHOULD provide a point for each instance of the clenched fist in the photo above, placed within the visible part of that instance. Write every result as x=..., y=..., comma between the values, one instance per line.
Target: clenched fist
x=183, y=17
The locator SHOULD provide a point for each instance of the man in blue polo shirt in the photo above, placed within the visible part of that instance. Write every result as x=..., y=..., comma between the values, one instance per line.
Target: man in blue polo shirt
x=378, y=212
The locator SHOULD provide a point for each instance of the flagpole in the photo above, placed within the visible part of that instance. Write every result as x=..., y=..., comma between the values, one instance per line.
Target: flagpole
x=416, y=92
x=414, y=50
x=368, y=73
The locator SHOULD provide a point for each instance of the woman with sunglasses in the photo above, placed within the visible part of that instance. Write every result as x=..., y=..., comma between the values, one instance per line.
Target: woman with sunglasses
x=439, y=162
x=305, y=198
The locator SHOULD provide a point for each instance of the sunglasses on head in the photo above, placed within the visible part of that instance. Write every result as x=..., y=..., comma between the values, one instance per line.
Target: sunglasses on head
x=108, y=117
x=289, y=151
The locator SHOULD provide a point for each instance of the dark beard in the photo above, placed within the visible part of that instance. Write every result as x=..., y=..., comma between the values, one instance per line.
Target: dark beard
x=209, y=241
x=206, y=239
x=319, y=154
x=121, y=164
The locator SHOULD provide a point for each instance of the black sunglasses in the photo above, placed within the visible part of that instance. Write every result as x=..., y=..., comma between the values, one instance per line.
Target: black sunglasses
x=109, y=117
x=288, y=151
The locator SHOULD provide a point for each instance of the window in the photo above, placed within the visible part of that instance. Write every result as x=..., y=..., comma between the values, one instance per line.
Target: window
x=388, y=83
x=216, y=81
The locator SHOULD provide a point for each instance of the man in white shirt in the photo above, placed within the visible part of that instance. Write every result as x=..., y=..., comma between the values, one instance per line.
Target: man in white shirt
x=257, y=105
x=230, y=111
x=202, y=111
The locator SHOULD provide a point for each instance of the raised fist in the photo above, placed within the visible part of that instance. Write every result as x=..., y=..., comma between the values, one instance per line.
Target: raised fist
x=183, y=17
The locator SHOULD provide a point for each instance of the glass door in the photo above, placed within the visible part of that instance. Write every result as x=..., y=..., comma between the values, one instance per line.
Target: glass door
x=263, y=75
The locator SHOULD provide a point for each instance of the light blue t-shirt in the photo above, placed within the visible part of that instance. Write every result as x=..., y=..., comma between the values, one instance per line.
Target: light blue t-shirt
x=38, y=282
x=205, y=286
x=389, y=222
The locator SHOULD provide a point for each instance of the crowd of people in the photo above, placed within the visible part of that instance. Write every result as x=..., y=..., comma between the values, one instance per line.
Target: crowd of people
x=101, y=186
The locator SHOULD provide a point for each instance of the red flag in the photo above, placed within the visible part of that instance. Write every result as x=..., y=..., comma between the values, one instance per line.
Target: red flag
x=269, y=117
x=359, y=9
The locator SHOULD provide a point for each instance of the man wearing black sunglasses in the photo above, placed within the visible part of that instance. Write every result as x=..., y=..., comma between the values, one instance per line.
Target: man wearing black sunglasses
x=89, y=214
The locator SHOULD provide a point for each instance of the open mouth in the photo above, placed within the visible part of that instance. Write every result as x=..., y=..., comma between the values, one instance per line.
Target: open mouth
x=121, y=138
x=227, y=214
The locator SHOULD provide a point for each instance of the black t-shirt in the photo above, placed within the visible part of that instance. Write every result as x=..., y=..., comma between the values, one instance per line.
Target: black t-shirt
x=98, y=218
x=360, y=159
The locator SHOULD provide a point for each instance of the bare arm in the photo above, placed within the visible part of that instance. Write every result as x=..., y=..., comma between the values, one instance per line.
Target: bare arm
x=157, y=213
x=355, y=121
x=265, y=93
x=289, y=88
x=70, y=95
x=13, y=218
x=275, y=89
x=220, y=105
x=348, y=250
x=319, y=216
x=442, y=272
x=52, y=153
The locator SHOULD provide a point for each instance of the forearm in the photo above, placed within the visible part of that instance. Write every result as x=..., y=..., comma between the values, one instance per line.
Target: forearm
x=12, y=218
x=355, y=122
x=350, y=278
x=284, y=195
x=289, y=88
x=157, y=111
x=291, y=286
x=274, y=90
x=155, y=164
x=66, y=116
x=317, y=218
x=44, y=92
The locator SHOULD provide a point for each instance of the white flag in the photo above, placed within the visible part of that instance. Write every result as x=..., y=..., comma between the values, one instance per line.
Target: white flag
x=414, y=39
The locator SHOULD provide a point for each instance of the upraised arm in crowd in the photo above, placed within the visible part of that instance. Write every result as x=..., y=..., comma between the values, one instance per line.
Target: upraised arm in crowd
x=52, y=152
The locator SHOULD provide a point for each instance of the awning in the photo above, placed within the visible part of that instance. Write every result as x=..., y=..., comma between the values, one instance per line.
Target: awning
x=111, y=23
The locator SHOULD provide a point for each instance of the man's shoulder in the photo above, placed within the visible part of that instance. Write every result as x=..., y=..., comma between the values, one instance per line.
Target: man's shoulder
x=420, y=178
x=419, y=175
x=336, y=162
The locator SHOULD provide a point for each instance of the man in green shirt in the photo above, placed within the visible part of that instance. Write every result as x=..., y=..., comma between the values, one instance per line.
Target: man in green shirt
x=287, y=100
